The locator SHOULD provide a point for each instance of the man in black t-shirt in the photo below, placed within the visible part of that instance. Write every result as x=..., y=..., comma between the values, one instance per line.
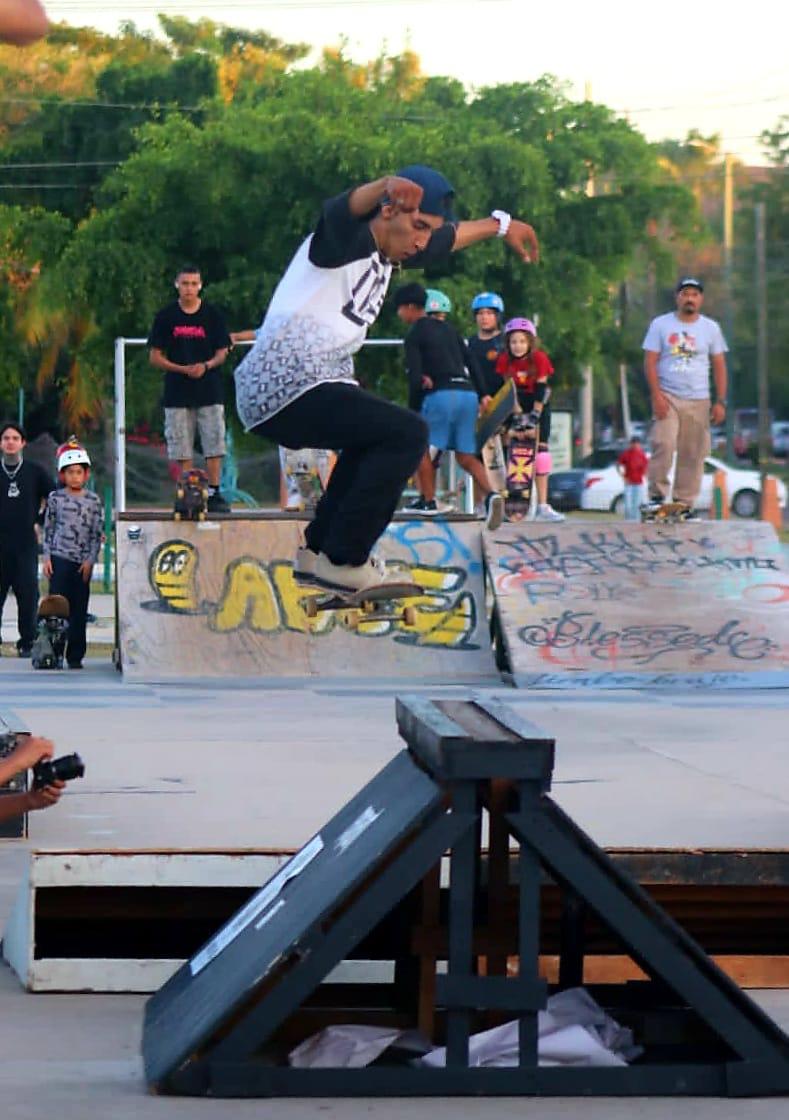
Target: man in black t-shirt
x=189, y=341
x=446, y=392
x=24, y=488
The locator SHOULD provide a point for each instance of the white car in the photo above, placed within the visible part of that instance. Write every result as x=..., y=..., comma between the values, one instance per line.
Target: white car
x=604, y=487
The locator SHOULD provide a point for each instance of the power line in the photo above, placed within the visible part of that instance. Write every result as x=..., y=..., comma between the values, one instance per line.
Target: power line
x=56, y=163
x=101, y=104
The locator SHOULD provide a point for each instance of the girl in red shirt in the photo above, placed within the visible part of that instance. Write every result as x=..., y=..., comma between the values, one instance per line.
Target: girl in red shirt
x=530, y=367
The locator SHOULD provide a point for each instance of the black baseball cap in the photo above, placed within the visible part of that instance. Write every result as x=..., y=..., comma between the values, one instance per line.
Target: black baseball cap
x=690, y=282
x=438, y=191
x=410, y=294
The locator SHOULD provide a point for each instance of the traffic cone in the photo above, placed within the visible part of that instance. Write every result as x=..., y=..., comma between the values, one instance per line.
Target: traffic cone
x=771, y=511
x=720, y=497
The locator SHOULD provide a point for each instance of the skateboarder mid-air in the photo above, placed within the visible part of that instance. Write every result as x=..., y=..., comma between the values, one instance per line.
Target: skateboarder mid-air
x=296, y=385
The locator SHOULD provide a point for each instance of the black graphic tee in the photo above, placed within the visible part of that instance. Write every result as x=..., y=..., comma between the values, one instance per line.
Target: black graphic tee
x=320, y=312
x=484, y=353
x=186, y=338
x=435, y=349
x=22, y=490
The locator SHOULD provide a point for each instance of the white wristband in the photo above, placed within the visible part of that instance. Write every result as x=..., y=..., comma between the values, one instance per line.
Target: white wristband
x=504, y=219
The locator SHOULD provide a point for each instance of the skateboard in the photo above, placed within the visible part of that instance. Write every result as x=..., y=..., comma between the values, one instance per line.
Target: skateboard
x=520, y=458
x=49, y=644
x=305, y=471
x=364, y=606
x=497, y=413
x=669, y=513
x=191, y=496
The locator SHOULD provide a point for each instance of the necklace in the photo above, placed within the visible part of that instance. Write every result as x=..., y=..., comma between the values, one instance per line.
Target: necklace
x=13, y=489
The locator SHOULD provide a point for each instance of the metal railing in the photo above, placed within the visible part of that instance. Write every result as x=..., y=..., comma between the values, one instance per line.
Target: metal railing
x=119, y=455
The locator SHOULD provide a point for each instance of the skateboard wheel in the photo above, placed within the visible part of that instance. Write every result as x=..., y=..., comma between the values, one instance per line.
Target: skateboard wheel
x=201, y=515
x=409, y=616
x=177, y=515
x=352, y=619
x=311, y=608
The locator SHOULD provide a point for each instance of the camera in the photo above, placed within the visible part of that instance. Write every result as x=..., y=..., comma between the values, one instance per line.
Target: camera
x=62, y=769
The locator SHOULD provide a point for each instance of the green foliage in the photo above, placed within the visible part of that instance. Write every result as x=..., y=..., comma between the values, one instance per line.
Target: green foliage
x=237, y=186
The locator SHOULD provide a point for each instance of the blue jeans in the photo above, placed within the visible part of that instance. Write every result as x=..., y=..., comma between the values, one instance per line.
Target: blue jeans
x=634, y=496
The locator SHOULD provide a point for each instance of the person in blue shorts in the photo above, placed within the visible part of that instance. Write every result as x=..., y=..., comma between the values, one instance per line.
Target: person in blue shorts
x=442, y=385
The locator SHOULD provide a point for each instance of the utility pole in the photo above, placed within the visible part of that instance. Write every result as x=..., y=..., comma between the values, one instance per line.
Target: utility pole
x=587, y=376
x=728, y=321
x=761, y=340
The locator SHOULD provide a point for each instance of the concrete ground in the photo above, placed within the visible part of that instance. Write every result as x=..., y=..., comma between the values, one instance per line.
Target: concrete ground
x=188, y=766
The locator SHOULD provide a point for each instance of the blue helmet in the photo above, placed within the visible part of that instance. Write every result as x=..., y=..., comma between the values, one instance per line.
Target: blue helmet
x=488, y=299
x=437, y=302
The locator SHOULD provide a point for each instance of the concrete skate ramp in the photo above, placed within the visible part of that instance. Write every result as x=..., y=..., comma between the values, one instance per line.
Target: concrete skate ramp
x=217, y=599
x=620, y=605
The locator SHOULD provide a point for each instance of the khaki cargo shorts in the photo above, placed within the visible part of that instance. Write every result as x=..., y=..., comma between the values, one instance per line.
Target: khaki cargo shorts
x=181, y=424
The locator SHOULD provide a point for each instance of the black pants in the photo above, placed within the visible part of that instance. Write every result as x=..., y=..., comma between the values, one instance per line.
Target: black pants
x=19, y=573
x=379, y=445
x=67, y=580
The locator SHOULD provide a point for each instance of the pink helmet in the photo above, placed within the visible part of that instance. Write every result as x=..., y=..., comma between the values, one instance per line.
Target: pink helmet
x=520, y=325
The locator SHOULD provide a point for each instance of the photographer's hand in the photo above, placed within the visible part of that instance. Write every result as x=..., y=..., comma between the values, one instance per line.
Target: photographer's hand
x=46, y=797
x=30, y=750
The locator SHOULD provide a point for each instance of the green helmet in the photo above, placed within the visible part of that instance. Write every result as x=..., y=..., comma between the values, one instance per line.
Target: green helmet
x=437, y=302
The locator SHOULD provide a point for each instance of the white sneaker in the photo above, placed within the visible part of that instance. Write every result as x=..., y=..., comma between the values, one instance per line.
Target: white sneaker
x=304, y=564
x=548, y=513
x=353, y=578
x=495, y=510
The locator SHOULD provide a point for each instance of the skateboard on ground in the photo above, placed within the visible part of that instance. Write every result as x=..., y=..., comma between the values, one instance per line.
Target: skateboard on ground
x=371, y=605
x=521, y=454
x=49, y=645
x=497, y=413
x=191, y=496
x=669, y=513
x=306, y=471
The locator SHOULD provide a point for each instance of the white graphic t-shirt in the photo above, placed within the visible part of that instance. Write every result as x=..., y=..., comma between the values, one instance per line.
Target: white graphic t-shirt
x=332, y=291
x=684, y=351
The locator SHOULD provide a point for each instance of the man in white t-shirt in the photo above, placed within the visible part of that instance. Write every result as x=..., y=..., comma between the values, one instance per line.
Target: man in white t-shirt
x=680, y=348
x=296, y=386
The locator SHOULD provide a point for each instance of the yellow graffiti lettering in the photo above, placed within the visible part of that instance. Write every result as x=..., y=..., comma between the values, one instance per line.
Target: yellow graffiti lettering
x=291, y=596
x=248, y=599
x=439, y=624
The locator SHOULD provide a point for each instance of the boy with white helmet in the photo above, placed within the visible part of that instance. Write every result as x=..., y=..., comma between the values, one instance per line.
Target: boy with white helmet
x=72, y=538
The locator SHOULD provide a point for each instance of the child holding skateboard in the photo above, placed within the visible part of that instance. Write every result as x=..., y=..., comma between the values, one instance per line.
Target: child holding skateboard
x=72, y=537
x=529, y=366
x=296, y=385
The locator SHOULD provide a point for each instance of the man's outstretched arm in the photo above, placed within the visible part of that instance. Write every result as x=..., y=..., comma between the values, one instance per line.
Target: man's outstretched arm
x=520, y=237
x=22, y=22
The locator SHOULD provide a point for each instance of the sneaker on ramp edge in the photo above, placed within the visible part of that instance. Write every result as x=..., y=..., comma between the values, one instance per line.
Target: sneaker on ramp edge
x=353, y=578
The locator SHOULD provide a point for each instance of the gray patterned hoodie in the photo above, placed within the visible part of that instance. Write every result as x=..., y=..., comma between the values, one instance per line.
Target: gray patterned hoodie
x=73, y=526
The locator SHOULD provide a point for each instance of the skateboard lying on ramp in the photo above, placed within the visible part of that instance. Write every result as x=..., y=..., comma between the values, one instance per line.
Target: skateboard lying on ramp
x=374, y=604
x=669, y=513
x=51, y=631
x=191, y=496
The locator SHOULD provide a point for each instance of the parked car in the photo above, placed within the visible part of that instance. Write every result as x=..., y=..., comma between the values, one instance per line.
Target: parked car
x=780, y=437
x=604, y=486
x=565, y=489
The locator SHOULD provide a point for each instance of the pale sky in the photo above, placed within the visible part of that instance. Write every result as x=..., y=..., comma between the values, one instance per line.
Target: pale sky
x=718, y=67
